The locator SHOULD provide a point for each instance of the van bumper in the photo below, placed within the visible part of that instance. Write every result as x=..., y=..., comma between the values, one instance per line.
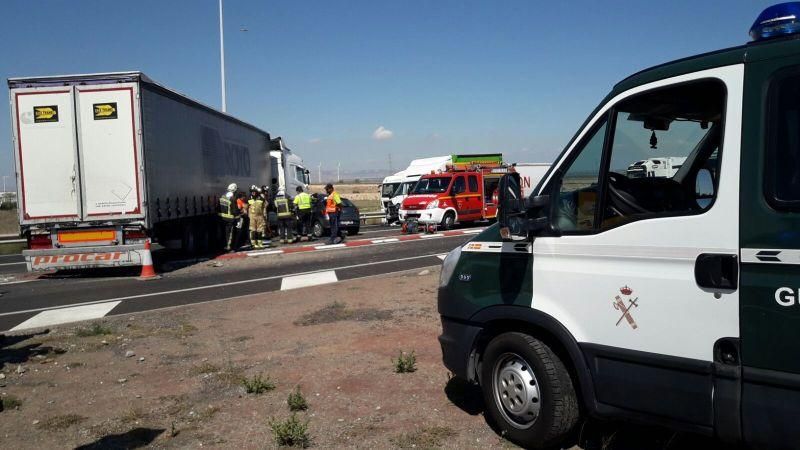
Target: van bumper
x=83, y=257
x=457, y=341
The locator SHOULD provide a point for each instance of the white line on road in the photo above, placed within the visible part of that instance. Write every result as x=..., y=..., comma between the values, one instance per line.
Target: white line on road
x=385, y=241
x=309, y=279
x=12, y=264
x=66, y=315
x=213, y=286
x=442, y=256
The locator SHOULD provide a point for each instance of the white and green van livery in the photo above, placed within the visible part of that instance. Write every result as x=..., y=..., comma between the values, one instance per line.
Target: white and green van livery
x=669, y=299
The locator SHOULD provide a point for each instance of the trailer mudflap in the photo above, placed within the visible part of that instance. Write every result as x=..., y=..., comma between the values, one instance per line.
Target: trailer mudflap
x=83, y=257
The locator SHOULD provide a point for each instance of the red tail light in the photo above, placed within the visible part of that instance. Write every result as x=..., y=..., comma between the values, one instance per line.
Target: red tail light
x=134, y=236
x=39, y=242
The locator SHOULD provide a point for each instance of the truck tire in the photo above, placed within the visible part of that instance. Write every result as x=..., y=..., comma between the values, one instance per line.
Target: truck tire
x=528, y=391
x=448, y=220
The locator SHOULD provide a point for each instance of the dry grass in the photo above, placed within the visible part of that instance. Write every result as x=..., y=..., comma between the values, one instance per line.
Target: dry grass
x=423, y=438
x=60, y=423
x=338, y=311
x=9, y=222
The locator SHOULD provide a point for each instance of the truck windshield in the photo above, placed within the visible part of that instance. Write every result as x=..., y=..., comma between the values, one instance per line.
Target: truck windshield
x=435, y=185
x=404, y=188
x=388, y=189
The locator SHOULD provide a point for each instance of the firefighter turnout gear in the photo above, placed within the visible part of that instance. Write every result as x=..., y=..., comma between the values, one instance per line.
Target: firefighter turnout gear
x=285, y=219
x=256, y=210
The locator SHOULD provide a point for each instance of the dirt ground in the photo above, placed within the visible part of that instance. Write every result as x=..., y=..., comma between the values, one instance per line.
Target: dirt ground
x=366, y=196
x=182, y=387
x=173, y=378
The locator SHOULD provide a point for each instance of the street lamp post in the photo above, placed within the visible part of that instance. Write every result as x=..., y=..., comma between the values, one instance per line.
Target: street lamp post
x=222, y=57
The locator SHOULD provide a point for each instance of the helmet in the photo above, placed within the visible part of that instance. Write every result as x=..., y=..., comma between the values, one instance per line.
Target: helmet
x=232, y=187
x=253, y=188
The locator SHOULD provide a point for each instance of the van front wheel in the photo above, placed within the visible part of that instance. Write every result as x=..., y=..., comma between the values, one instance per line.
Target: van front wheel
x=528, y=391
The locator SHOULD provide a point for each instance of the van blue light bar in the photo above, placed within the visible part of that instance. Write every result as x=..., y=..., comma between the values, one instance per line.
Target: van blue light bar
x=778, y=20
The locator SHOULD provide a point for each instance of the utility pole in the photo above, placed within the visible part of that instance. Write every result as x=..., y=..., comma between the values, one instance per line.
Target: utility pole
x=319, y=173
x=390, y=164
x=338, y=168
x=222, y=58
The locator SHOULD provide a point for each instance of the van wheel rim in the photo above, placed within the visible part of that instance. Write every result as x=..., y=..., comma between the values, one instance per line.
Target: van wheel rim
x=516, y=391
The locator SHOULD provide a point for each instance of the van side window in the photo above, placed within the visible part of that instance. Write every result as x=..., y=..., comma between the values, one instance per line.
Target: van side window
x=665, y=153
x=473, y=183
x=578, y=195
x=782, y=165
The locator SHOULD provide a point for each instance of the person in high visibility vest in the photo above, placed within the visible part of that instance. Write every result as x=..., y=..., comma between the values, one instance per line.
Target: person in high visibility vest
x=285, y=218
x=256, y=210
x=302, y=205
x=230, y=213
x=333, y=207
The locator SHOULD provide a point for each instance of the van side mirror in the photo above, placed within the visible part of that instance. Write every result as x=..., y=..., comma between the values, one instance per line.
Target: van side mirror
x=520, y=218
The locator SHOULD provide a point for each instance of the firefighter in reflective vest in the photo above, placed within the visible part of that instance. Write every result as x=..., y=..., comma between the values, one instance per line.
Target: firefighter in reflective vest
x=285, y=218
x=302, y=205
x=333, y=207
x=256, y=210
x=230, y=214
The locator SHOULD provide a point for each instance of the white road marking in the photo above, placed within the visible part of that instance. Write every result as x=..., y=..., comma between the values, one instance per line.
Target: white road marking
x=12, y=264
x=309, y=279
x=265, y=252
x=442, y=256
x=429, y=236
x=16, y=282
x=66, y=315
x=474, y=231
x=385, y=241
x=212, y=286
x=329, y=247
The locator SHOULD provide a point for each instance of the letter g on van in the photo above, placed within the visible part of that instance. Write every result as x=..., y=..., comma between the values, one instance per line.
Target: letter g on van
x=785, y=296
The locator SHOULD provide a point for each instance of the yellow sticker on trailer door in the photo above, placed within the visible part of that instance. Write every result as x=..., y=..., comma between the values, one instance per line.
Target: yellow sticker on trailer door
x=45, y=114
x=104, y=111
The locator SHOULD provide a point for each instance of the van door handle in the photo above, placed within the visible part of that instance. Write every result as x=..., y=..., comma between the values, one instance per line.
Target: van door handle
x=717, y=271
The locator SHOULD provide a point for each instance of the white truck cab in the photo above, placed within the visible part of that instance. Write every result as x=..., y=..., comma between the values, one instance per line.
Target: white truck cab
x=666, y=299
x=288, y=168
x=655, y=167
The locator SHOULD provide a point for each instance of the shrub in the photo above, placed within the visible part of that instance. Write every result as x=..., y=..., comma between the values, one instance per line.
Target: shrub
x=405, y=362
x=296, y=401
x=257, y=384
x=291, y=432
x=97, y=329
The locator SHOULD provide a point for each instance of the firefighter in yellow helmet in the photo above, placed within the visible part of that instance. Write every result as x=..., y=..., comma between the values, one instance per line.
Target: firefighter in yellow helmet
x=256, y=210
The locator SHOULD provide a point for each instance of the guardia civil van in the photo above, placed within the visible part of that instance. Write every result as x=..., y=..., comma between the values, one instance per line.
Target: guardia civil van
x=670, y=299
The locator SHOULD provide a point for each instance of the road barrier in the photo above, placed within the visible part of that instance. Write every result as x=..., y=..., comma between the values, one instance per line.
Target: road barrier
x=371, y=216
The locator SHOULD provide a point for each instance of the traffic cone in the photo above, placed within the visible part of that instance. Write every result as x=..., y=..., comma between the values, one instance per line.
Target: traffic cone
x=148, y=273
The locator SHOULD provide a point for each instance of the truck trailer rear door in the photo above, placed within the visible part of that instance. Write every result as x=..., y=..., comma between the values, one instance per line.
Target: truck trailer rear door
x=46, y=154
x=109, y=150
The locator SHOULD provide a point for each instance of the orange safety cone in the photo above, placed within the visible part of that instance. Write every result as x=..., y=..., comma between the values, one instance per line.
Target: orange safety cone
x=148, y=273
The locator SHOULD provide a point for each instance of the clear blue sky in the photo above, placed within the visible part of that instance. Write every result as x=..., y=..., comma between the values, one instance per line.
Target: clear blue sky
x=516, y=77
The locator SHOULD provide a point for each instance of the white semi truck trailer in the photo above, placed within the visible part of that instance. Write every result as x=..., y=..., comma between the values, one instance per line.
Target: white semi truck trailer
x=106, y=161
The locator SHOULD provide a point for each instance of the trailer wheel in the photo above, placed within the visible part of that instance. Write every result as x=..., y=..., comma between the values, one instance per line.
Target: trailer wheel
x=527, y=391
x=448, y=220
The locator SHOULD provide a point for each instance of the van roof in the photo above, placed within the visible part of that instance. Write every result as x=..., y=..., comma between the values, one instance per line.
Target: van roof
x=753, y=51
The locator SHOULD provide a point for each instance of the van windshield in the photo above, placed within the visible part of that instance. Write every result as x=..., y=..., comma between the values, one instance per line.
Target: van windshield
x=434, y=185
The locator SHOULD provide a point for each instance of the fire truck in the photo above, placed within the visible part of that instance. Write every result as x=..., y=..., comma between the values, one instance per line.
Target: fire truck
x=463, y=192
